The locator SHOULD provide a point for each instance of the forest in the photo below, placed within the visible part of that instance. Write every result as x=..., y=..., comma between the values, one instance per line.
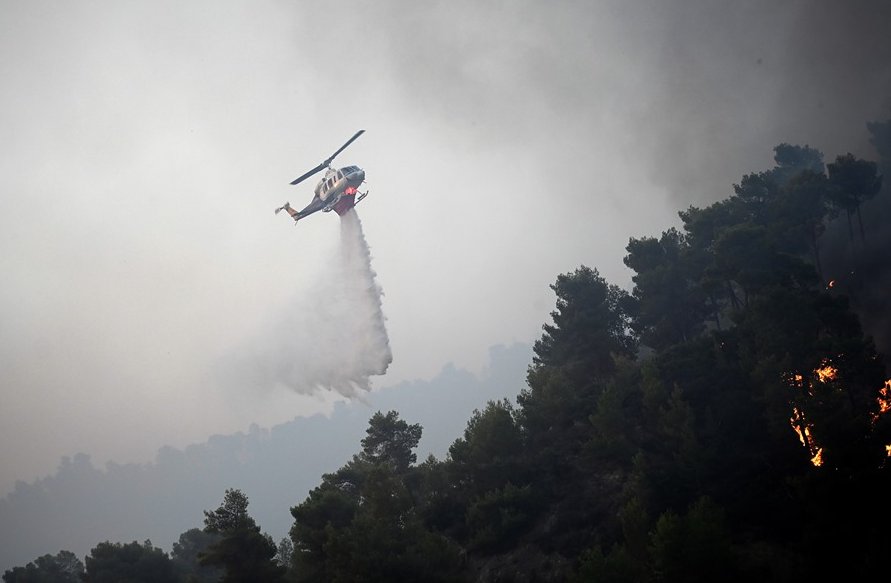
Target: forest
x=724, y=420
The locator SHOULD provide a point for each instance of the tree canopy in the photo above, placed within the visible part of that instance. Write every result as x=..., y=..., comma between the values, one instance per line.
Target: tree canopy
x=242, y=551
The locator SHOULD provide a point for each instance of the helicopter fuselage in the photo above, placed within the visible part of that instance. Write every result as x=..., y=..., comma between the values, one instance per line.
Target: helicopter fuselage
x=339, y=187
x=336, y=182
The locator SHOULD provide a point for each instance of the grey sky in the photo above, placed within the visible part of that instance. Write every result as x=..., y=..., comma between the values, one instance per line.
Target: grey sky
x=147, y=143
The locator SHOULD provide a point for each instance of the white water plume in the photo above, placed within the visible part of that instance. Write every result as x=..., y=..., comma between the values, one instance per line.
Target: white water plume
x=335, y=339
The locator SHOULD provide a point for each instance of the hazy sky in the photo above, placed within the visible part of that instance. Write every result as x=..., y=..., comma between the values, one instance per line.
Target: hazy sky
x=145, y=145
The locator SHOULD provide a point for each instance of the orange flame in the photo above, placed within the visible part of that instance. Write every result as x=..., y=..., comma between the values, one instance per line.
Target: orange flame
x=796, y=380
x=827, y=372
x=884, y=398
x=803, y=429
x=824, y=373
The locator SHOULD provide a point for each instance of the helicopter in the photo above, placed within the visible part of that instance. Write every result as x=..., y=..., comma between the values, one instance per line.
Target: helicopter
x=336, y=191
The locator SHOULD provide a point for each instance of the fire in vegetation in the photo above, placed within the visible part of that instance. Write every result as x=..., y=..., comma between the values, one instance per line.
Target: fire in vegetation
x=826, y=373
x=803, y=428
x=884, y=400
x=823, y=374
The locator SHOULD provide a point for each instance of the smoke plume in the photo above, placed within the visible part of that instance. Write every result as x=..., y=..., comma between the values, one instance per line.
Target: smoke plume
x=335, y=339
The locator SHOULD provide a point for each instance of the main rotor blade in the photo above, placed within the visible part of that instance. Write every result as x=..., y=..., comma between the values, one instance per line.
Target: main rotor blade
x=318, y=168
x=327, y=162
x=343, y=147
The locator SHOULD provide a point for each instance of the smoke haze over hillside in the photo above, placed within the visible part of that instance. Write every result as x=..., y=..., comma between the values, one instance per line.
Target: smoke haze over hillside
x=85, y=502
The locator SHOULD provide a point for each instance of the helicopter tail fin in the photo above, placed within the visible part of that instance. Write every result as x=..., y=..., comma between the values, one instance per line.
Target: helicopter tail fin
x=285, y=206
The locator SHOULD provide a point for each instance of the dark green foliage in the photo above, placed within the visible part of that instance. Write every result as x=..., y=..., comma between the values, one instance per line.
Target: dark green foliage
x=242, y=551
x=590, y=326
x=669, y=304
x=186, y=556
x=855, y=181
x=386, y=541
x=575, y=363
x=694, y=547
x=129, y=563
x=362, y=523
x=792, y=160
x=615, y=567
x=64, y=567
x=489, y=454
x=497, y=519
x=391, y=441
x=616, y=419
x=574, y=359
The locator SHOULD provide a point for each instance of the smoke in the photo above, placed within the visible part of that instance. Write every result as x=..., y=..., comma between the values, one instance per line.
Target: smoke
x=733, y=80
x=334, y=339
x=858, y=262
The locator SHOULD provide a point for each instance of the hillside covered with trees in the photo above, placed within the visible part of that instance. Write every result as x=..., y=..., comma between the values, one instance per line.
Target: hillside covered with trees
x=724, y=420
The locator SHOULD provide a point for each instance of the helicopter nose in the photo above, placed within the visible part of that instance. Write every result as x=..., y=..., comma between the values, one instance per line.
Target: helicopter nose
x=357, y=175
